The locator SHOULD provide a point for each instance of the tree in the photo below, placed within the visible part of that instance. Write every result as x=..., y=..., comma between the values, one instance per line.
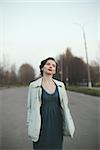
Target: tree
x=63, y=63
x=95, y=72
x=72, y=68
x=77, y=71
x=13, y=76
x=1, y=75
x=26, y=74
x=68, y=56
x=7, y=78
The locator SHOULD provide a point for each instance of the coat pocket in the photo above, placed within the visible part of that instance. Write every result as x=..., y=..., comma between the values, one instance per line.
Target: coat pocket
x=69, y=127
x=34, y=125
x=33, y=132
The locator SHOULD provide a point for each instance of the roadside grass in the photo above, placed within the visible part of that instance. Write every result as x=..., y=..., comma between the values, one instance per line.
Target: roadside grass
x=12, y=86
x=84, y=90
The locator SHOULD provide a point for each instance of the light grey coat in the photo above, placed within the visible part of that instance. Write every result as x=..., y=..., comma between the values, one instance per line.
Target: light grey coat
x=33, y=110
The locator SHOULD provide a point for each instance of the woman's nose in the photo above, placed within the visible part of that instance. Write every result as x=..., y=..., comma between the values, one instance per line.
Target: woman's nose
x=50, y=66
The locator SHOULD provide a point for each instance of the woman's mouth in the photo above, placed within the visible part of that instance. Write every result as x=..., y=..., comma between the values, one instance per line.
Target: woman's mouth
x=50, y=69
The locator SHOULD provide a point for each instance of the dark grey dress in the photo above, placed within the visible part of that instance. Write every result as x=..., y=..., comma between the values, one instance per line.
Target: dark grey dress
x=51, y=134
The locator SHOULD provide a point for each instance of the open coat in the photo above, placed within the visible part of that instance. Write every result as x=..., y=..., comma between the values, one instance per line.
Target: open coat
x=33, y=110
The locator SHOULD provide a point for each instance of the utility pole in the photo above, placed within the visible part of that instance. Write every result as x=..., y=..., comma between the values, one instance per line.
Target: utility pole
x=88, y=68
x=61, y=72
x=85, y=46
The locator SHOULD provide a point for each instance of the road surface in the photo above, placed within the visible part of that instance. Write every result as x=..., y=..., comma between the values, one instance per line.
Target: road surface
x=13, y=128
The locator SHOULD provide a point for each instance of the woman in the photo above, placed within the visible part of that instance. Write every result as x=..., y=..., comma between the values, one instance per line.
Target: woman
x=48, y=115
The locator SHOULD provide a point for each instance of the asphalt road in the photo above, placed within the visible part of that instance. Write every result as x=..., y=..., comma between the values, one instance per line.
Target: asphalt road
x=13, y=128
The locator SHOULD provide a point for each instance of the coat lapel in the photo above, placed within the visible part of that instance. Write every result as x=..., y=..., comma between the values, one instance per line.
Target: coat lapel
x=38, y=83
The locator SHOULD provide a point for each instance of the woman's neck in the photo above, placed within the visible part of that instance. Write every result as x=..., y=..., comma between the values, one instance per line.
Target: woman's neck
x=47, y=78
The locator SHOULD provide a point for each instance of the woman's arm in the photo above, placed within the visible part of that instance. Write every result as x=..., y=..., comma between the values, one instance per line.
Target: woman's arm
x=29, y=104
x=69, y=124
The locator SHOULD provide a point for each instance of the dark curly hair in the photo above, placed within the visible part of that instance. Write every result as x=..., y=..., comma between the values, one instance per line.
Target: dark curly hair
x=43, y=62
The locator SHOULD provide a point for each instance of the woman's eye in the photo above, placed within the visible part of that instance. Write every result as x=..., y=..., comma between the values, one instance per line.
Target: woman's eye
x=53, y=65
x=48, y=63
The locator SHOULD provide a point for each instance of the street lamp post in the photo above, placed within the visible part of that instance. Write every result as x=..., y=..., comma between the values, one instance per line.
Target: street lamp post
x=88, y=68
x=85, y=45
x=61, y=72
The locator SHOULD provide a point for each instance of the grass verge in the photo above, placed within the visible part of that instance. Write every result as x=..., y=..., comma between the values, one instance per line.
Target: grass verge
x=85, y=90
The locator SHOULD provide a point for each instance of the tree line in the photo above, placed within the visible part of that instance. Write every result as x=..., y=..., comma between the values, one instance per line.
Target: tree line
x=25, y=75
x=72, y=70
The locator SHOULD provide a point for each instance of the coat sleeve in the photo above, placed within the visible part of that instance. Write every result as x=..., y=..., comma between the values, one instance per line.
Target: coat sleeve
x=29, y=104
x=69, y=126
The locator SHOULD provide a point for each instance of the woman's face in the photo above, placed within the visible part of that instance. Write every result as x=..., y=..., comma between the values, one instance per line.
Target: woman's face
x=50, y=67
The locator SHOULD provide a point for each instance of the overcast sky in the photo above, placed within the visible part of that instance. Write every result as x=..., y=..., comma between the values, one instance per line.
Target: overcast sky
x=33, y=30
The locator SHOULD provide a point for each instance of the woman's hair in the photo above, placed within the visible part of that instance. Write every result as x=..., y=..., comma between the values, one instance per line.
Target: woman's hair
x=43, y=62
